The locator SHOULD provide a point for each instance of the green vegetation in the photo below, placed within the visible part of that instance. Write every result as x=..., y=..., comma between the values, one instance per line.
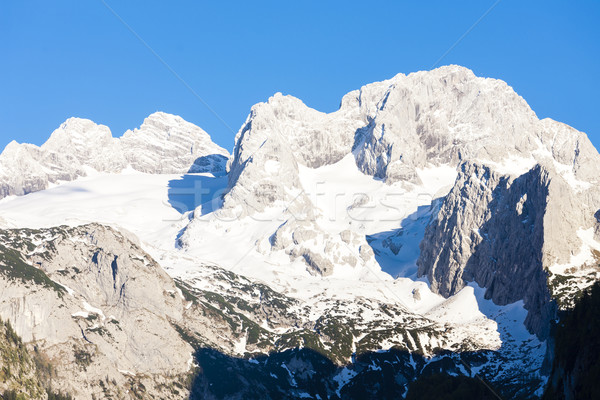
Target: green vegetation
x=568, y=289
x=338, y=335
x=83, y=357
x=18, y=370
x=14, y=395
x=187, y=336
x=187, y=295
x=58, y=396
x=14, y=267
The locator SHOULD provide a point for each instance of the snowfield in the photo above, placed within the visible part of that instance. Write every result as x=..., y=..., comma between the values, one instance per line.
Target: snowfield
x=155, y=208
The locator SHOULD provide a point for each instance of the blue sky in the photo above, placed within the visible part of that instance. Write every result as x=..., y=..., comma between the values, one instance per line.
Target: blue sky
x=74, y=58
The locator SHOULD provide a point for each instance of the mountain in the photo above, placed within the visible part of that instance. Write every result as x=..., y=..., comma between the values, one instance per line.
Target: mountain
x=394, y=129
x=163, y=144
x=433, y=224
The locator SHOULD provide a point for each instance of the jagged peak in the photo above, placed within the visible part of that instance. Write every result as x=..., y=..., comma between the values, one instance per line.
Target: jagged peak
x=11, y=146
x=75, y=128
x=378, y=88
x=450, y=69
x=280, y=101
x=164, y=117
x=163, y=125
x=77, y=121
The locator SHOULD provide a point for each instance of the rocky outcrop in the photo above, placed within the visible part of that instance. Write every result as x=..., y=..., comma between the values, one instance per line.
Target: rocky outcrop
x=502, y=232
x=110, y=322
x=113, y=322
x=263, y=171
x=167, y=144
x=163, y=144
x=97, y=306
x=393, y=127
x=442, y=116
x=319, y=250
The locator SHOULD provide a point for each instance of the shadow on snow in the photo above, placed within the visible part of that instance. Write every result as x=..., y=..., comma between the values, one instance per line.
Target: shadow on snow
x=192, y=191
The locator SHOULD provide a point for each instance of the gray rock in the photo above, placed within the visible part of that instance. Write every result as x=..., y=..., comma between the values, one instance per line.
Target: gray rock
x=502, y=232
x=104, y=308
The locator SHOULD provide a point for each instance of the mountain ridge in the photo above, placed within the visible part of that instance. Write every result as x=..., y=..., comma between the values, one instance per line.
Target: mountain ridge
x=164, y=143
x=432, y=213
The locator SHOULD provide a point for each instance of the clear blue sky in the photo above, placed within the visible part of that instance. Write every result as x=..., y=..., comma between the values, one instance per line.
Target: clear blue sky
x=74, y=58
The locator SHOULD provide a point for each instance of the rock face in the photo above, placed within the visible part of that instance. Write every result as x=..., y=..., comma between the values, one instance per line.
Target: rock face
x=97, y=305
x=321, y=251
x=504, y=232
x=490, y=229
x=163, y=144
x=167, y=144
x=263, y=169
x=441, y=117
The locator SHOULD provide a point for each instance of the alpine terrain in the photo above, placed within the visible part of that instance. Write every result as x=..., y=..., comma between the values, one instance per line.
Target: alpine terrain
x=432, y=226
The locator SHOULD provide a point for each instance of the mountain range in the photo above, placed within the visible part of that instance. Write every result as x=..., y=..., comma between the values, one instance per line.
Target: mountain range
x=432, y=224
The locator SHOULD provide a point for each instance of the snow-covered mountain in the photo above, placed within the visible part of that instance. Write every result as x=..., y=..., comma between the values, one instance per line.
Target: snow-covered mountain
x=164, y=144
x=396, y=130
x=432, y=222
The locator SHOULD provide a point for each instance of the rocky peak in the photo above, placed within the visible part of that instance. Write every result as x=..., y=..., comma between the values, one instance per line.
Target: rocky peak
x=167, y=143
x=396, y=127
x=163, y=144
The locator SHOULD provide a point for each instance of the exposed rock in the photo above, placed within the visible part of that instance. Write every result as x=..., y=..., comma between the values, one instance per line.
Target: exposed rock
x=104, y=311
x=502, y=232
x=167, y=144
x=98, y=305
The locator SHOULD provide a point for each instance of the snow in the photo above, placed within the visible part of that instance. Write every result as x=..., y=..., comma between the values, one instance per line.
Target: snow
x=461, y=308
x=240, y=346
x=125, y=372
x=583, y=256
x=510, y=319
x=512, y=165
x=292, y=380
x=93, y=310
x=82, y=314
x=140, y=203
x=70, y=291
x=334, y=190
x=391, y=215
x=272, y=166
x=566, y=171
x=135, y=201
